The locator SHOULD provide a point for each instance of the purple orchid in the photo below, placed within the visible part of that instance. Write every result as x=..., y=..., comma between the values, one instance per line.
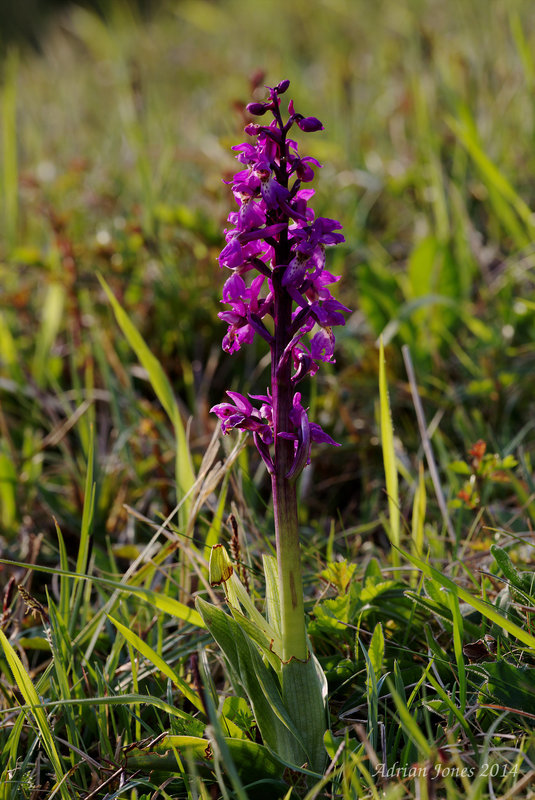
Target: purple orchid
x=242, y=414
x=276, y=234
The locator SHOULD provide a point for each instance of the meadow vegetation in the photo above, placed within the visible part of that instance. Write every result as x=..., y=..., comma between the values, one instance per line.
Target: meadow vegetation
x=417, y=533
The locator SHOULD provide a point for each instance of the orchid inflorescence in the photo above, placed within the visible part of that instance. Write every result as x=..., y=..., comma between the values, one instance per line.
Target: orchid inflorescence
x=275, y=234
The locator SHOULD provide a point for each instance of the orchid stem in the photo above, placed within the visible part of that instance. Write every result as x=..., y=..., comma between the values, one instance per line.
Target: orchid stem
x=284, y=490
x=289, y=566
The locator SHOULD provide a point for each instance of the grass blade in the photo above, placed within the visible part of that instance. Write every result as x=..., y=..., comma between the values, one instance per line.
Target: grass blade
x=85, y=532
x=389, y=457
x=506, y=200
x=8, y=484
x=409, y=724
x=486, y=609
x=458, y=629
x=152, y=656
x=52, y=317
x=31, y=698
x=418, y=518
x=184, y=473
x=10, y=69
x=163, y=602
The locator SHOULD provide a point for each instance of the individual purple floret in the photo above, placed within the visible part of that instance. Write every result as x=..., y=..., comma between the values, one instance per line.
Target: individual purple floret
x=278, y=287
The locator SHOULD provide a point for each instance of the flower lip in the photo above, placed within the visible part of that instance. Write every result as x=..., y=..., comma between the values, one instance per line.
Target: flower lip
x=253, y=129
x=261, y=233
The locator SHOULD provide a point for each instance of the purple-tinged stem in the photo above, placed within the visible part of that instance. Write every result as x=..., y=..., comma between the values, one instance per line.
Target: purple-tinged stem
x=284, y=490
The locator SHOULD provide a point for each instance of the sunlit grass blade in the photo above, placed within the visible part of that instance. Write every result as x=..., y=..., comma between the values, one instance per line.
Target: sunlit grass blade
x=418, y=518
x=409, y=724
x=128, y=699
x=167, y=604
x=446, y=699
x=9, y=68
x=372, y=698
x=185, y=475
x=505, y=199
x=161, y=601
x=32, y=700
x=389, y=457
x=8, y=348
x=85, y=533
x=523, y=47
x=63, y=585
x=8, y=485
x=9, y=758
x=222, y=756
x=151, y=655
x=88, y=510
x=253, y=761
x=52, y=318
x=214, y=531
x=458, y=629
x=65, y=674
x=486, y=609
x=376, y=650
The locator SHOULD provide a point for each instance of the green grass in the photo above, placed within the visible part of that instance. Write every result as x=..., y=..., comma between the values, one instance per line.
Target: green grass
x=418, y=555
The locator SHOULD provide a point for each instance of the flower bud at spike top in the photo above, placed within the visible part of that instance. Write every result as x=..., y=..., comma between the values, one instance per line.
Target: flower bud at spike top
x=309, y=124
x=257, y=108
x=220, y=568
